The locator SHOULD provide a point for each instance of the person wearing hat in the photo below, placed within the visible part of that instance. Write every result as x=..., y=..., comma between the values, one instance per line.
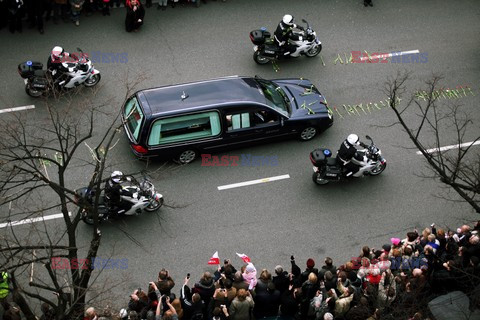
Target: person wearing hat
x=250, y=276
x=310, y=268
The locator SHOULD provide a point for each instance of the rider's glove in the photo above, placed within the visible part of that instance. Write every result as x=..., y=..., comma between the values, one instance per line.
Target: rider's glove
x=363, y=145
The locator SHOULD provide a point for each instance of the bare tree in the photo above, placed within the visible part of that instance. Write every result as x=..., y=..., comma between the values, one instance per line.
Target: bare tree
x=40, y=158
x=438, y=123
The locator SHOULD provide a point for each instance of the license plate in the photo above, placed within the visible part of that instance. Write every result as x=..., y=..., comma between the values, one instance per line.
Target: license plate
x=315, y=169
x=255, y=48
x=25, y=80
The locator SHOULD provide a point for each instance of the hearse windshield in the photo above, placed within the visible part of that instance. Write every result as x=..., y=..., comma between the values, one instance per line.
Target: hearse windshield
x=276, y=97
x=133, y=115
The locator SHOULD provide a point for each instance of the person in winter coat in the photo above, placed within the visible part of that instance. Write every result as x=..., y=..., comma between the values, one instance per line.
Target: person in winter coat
x=342, y=303
x=205, y=288
x=165, y=283
x=267, y=302
x=15, y=14
x=76, y=9
x=192, y=304
x=135, y=15
x=290, y=301
x=250, y=276
x=241, y=306
x=36, y=9
x=60, y=8
x=387, y=291
x=281, y=279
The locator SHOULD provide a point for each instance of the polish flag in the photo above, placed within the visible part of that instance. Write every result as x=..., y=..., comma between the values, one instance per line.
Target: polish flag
x=214, y=259
x=244, y=257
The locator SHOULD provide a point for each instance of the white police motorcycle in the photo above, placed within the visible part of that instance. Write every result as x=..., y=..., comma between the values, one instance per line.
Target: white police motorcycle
x=140, y=195
x=266, y=49
x=39, y=82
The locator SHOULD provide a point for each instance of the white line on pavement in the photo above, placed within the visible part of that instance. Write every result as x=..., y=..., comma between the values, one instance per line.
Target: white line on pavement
x=389, y=55
x=455, y=146
x=249, y=183
x=32, y=220
x=31, y=106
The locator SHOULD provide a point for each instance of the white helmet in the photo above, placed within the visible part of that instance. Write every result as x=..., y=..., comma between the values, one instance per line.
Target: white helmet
x=57, y=52
x=116, y=176
x=288, y=19
x=353, y=139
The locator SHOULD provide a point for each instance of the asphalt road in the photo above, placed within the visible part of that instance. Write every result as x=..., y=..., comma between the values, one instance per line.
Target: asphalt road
x=268, y=221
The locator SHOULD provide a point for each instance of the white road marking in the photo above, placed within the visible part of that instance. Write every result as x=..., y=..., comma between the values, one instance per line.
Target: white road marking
x=389, y=55
x=455, y=146
x=249, y=183
x=31, y=106
x=32, y=220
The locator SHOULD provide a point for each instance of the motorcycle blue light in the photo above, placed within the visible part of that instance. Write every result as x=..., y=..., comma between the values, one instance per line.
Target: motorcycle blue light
x=327, y=152
x=263, y=28
x=29, y=63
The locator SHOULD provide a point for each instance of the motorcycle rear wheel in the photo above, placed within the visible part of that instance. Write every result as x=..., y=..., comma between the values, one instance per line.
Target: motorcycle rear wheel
x=316, y=178
x=154, y=205
x=314, y=51
x=32, y=92
x=259, y=59
x=87, y=218
x=378, y=170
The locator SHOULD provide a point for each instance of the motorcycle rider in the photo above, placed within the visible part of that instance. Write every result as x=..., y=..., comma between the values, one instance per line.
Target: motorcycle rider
x=348, y=155
x=57, y=62
x=284, y=32
x=114, y=191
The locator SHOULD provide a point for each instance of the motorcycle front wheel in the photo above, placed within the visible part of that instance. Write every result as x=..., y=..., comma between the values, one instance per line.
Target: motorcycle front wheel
x=314, y=51
x=154, y=205
x=93, y=80
x=379, y=169
x=318, y=180
x=259, y=59
x=32, y=92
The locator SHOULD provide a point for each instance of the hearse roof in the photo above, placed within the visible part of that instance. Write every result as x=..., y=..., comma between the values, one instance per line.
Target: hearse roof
x=213, y=92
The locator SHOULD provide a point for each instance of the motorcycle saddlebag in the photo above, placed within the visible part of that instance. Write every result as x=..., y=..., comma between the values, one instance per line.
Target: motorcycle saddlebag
x=258, y=36
x=319, y=157
x=270, y=50
x=27, y=69
x=39, y=83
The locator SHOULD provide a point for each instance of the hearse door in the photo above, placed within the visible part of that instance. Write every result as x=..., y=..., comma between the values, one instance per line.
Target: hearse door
x=254, y=125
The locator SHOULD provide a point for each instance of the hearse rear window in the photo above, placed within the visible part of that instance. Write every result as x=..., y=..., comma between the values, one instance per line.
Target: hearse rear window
x=133, y=117
x=189, y=127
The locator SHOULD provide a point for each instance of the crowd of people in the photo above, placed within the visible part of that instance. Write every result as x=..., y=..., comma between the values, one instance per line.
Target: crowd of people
x=394, y=282
x=37, y=12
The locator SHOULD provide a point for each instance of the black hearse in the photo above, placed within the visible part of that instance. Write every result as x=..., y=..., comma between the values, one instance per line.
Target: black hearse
x=181, y=121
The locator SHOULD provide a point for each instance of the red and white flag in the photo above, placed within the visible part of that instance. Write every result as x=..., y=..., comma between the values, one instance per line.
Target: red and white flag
x=214, y=259
x=244, y=257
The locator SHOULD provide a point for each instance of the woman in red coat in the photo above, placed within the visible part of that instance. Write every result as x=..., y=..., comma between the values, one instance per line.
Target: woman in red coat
x=135, y=15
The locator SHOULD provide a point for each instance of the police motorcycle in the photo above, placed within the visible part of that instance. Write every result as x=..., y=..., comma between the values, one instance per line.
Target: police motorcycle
x=326, y=168
x=39, y=82
x=266, y=49
x=141, y=195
